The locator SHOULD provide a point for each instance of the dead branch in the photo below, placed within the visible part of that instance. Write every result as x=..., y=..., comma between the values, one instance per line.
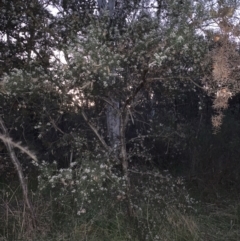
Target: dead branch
x=9, y=145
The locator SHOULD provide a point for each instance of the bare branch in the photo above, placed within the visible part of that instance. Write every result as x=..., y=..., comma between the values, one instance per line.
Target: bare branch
x=7, y=140
x=9, y=145
x=94, y=129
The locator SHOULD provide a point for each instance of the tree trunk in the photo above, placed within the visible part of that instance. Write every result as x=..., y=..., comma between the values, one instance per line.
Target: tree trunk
x=124, y=160
x=113, y=124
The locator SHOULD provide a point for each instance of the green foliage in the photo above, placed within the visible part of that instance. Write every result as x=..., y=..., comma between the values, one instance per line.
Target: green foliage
x=152, y=68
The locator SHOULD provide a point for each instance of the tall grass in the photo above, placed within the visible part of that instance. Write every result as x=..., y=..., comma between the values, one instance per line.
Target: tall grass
x=153, y=219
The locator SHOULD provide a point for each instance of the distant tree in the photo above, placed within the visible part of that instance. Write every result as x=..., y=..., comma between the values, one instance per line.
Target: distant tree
x=222, y=80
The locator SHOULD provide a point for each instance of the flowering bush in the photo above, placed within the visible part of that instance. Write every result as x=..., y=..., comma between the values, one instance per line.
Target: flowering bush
x=98, y=187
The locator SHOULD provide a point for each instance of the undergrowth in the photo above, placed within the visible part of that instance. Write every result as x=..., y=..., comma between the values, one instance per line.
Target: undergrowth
x=163, y=210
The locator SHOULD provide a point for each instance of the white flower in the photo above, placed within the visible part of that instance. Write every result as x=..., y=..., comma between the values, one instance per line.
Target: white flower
x=73, y=164
x=180, y=39
x=185, y=47
x=172, y=35
x=84, y=177
x=81, y=211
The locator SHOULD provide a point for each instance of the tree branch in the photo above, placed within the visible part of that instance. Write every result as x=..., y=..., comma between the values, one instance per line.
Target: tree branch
x=94, y=129
x=9, y=145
